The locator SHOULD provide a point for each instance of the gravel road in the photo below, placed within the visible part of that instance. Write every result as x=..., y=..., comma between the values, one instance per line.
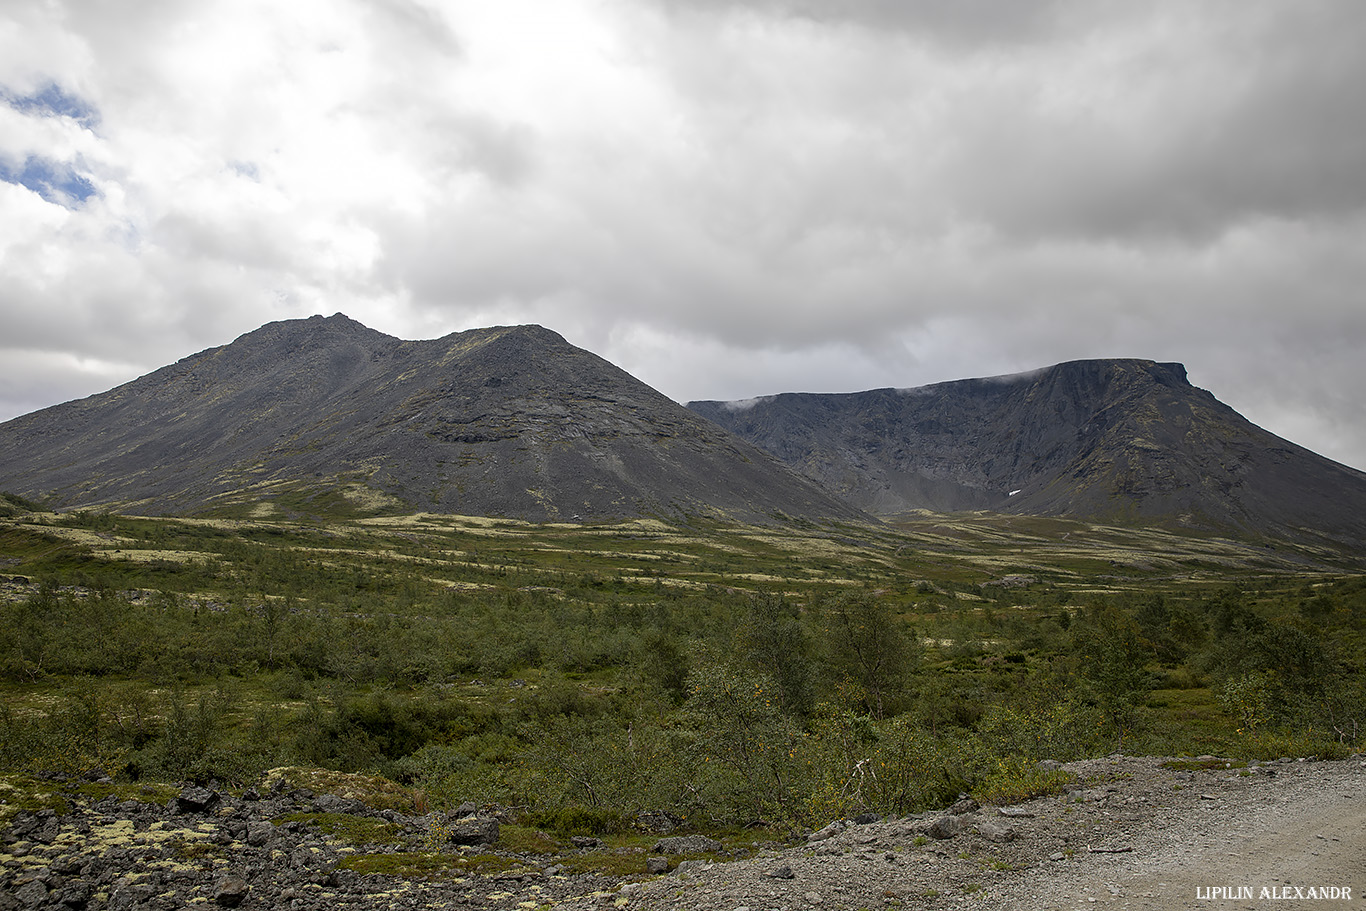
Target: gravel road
x=1134, y=835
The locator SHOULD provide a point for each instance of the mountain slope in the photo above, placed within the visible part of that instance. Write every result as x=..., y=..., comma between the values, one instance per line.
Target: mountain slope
x=1109, y=439
x=508, y=421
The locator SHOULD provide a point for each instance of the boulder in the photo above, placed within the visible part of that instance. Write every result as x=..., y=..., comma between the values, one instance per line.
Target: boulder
x=687, y=844
x=994, y=831
x=944, y=827
x=331, y=803
x=259, y=832
x=474, y=830
x=657, y=821
x=829, y=831
x=230, y=891
x=32, y=894
x=75, y=894
x=194, y=799
x=964, y=805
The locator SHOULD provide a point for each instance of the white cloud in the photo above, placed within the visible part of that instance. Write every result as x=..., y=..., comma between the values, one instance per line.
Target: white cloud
x=726, y=198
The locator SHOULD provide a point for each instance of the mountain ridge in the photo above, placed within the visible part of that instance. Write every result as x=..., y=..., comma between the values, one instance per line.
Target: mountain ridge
x=1116, y=438
x=504, y=421
x=324, y=414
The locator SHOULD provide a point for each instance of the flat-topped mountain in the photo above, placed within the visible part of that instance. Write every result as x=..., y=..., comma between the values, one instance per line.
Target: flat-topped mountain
x=507, y=421
x=1102, y=439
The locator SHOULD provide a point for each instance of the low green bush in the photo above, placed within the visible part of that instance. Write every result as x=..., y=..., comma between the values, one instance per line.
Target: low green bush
x=578, y=820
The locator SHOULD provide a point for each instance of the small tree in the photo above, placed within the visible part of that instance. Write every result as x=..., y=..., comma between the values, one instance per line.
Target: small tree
x=1112, y=655
x=772, y=641
x=744, y=741
x=871, y=646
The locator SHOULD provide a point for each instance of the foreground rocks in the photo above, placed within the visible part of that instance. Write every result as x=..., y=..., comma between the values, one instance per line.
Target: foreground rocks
x=1133, y=833
x=205, y=847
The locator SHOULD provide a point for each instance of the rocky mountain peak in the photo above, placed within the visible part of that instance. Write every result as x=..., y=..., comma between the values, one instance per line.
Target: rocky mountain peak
x=505, y=421
x=313, y=331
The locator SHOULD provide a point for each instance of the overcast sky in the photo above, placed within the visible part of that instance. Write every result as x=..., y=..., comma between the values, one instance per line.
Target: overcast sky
x=727, y=198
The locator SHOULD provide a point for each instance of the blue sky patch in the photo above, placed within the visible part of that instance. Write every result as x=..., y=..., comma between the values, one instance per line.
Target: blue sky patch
x=55, y=181
x=53, y=100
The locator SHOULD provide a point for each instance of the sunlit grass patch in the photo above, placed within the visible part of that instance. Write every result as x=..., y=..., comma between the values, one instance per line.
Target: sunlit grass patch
x=606, y=863
x=485, y=864
x=96, y=539
x=625, y=853
x=26, y=793
x=1188, y=720
x=354, y=830
x=142, y=792
x=529, y=840
x=1275, y=744
x=148, y=555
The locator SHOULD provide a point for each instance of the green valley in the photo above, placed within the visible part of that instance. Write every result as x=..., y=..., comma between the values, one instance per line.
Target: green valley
x=589, y=675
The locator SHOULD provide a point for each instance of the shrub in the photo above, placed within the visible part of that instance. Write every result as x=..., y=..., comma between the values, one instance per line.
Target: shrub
x=871, y=646
x=743, y=747
x=1014, y=779
x=855, y=763
x=577, y=819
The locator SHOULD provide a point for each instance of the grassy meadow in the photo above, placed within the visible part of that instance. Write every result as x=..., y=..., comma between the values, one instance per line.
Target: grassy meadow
x=721, y=674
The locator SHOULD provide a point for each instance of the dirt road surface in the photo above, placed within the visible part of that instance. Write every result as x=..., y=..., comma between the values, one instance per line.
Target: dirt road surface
x=1135, y=834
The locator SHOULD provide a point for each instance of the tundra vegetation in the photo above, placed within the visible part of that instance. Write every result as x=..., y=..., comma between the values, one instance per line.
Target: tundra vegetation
x=588, y=674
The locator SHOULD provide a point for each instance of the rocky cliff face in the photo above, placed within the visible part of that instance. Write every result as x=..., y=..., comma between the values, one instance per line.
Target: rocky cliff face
x=1109, y=439
x=507, y=421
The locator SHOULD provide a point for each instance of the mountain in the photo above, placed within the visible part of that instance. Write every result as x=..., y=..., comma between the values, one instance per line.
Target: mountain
x=1098, y=439
x=327, y=413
